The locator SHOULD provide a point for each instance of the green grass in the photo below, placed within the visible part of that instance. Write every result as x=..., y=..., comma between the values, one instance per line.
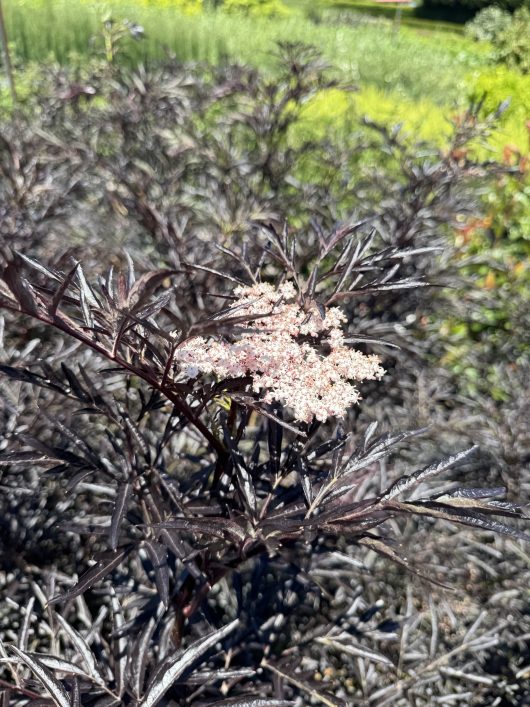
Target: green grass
x=404, y=77
x=413, y=66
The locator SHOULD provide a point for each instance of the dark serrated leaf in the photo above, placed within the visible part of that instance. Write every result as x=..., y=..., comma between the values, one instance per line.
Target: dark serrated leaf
x=48, y=272
x=158, y=557
x=95, y=574
x=45, y=677
x=82, y=649
x=120, y=644
x=123, y=495
x=139, y=657
x=244, y=480
x=386, y=550
x=378, y=449
x=305, y=481
x=20, y=288
x=176, y=668
x=87, y=293
x=24, y=629
x=216, y=527
x=472, y=493
x=25, y=458
x=464, y=516
x=61, y=290
x=408, y=482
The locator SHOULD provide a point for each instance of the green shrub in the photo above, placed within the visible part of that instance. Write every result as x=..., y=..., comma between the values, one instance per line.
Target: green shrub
x=497, y=85
x=509, y=34
x=509, y=209
x=492, y=325
x=512, y=46
x=488, y=24
x=332, y=113
x=190, y=7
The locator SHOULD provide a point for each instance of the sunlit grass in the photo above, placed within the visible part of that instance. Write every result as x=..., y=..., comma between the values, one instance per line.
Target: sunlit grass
x=411, y=65
x=403, y=77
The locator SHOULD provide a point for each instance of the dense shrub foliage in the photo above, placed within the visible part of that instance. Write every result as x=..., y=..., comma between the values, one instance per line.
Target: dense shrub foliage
x=173, y=531
x=509, y=35
x=489, y=23
x=513, y=44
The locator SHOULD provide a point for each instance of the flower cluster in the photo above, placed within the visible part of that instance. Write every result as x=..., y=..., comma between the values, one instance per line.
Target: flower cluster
x=296, y=355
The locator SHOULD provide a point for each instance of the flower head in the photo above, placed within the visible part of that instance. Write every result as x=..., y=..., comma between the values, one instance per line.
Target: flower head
x=282, y=353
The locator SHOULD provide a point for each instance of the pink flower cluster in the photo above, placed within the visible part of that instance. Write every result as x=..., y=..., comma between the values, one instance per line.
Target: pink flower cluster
x=295, y=356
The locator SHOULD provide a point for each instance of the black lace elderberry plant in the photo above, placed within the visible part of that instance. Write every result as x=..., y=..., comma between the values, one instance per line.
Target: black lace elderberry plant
x=196, y=506
x=172, y=531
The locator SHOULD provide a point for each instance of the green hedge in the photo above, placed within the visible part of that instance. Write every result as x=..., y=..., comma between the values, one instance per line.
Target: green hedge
x=463, y=10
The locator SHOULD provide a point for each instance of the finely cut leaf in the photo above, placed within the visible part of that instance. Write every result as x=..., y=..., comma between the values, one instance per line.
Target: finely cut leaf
x=120, y=646
x=203, y=677
x=21, y=289
x=251, y=702
x=24, y=629
x=139, y=657
x=39, y=266
x=25, y=458
x=464, y=516
x=82, y=647
x=52, y=685
x=162, y=684
x=94, y=574
x=379, y=448
x=87, y=292
x=54, y=663
x=57, y=297
x=377, y=545
x=120, y=509
x=158, y=557
x=145, y=284
x=349, y=646
x=408, y=482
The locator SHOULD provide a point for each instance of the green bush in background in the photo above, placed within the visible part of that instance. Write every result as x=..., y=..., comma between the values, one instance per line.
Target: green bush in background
x=334, y=111
x=509, y=34
x=488, y=24
x=512, y=45
x=500, y=85
x=401, y=77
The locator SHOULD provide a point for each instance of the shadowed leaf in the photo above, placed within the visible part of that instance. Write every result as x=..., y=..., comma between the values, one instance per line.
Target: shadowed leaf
x=100, y=570
x=45, y=677
x=175, y=668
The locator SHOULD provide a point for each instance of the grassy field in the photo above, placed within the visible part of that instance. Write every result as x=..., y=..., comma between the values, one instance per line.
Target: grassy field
x=418, y=75
x=406, y=63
